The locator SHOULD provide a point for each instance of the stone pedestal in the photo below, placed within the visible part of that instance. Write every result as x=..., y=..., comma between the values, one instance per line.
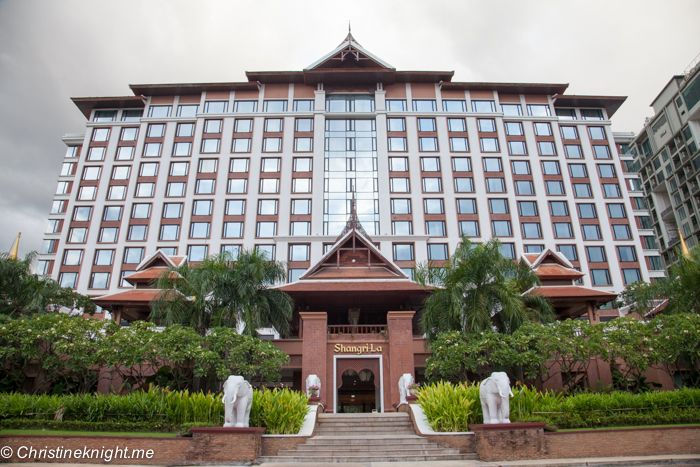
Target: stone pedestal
x=509, y=441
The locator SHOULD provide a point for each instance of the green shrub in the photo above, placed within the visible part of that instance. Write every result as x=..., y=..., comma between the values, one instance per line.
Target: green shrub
x=448, y=407
x=281, y=411
x=73, y=425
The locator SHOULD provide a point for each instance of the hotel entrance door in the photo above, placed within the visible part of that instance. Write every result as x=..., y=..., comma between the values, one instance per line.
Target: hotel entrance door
x=358, y=387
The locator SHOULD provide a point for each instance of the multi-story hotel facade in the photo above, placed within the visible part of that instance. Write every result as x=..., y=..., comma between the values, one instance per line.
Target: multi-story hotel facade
x=665, y=153
x=352, y=173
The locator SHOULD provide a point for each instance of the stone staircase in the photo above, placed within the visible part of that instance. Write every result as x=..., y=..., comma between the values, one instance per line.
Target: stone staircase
x=387, y=437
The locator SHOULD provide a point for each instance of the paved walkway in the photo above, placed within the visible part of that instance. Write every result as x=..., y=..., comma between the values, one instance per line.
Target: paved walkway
x=686, y=460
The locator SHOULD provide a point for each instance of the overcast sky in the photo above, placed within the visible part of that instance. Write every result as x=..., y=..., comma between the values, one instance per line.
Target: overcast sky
x=51, y=51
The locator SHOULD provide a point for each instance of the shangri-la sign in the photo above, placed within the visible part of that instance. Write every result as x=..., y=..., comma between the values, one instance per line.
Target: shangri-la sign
x=357, y=349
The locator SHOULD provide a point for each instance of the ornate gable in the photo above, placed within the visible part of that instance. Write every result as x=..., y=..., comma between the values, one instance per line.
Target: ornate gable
x=349, y=54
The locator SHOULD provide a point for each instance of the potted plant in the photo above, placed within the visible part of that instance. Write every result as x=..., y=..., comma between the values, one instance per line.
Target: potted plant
x=413, y=389
x=313, y=391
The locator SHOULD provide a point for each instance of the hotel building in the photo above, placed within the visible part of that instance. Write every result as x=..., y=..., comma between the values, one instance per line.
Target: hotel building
x=351, y=172
x=665, y=153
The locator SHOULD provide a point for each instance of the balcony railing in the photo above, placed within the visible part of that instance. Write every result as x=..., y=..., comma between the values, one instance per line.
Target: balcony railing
x=359, y=329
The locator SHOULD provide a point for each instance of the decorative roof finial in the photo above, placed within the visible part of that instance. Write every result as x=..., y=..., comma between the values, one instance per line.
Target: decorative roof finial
x=349, y=30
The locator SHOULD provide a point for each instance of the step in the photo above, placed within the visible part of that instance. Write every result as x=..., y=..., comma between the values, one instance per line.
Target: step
x=339, y=441
x=386, y=451
x=370, y=458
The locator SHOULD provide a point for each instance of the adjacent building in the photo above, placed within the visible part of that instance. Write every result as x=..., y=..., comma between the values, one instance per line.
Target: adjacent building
x=665, y=154
x=352, y=173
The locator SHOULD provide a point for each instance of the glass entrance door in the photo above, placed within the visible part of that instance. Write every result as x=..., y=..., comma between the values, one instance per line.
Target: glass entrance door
x=357, y=393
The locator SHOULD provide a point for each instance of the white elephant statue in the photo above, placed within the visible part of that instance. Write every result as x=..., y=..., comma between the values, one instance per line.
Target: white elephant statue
x=404, y=382
x=238, y=398
x=495, y=394
x=312, y=380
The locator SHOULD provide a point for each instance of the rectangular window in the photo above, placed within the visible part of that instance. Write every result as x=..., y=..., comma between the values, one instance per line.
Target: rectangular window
x=573, y=151
x=215, y=107
x=437, y=252
x=514, y=128
x=600, y=277
x=301, y=207
x=96, y=154
x=520, y=167
x=486, y=125
x=233, y=230
x=108, y=234
x=185, y=130
x=169, y=232
x=100, y=134
x=237, y=185
x=601, y=152
x=621, y=232
x=543, y=129
x=396, y=105
x=83, y=213
x=396, y=124
x=301, y=185
x=435, y=228
x=187, y=110
x=156, y=130
x=531, y=230
x=401, y=206
x=524, y=187
x=239, y=166
x=459, y=144
x=270, y=164
x=104, y=116
x=235, y=207
x=606, y=170
x=616, y=211
x=596, y=132
x=401, y=228
x=397, y=144
x=172, y=210
x=87, y=193
x=116, y=193
x=538, y=110
x=121, y=172
x=457, y=125
x=626, y=253
x=498, y=206
x=245, y=106
x=546, y=148
x=550, y=168
x=124, y=153
x=501, y=228
x=232, y=250
x=199, y=229
x=461, y=164
x=430, y=164
x=299, y=252
x=511, y=110
x=202, y=207
x=72, y=257
x=266, y=229
x=591, y=232
x=424, y=105
x=578, y=171
x=104, y=257
x=403, y=252
x=160, y=111
x=137, y=232
x=302, y=164
x=210, y=145
x=591, y=114
x=495, y=185
x=569, y=252
x=453, y=105
x=273, y=125
x=534, y=248
x=563, y=230
x=492, y=164
x=596, y=254
x=140, y=211
x=300, y=228
x=399, y=185
x=272, y=144
x=611, y=190
x=433, y=206
x=582, y=190
x=426, y=124
x=483, y=106
x=303, y=105
x=469, y=228
x=569, y=132
x=517, y=148
x=631, y=275
x=175, y=189
x=432, y=185
x=527, y=208
x=269, y=185
x=275, y=106
x=427, y=144
x=466, y=206
x=587, y=211
x=566, y=114
x=68, y=279
x=196, y=253
x=268, y=207
x=182, y=149
x=489, y=144
x=303, y=144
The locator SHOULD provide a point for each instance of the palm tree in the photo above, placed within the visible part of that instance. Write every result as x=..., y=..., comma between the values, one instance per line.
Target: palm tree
x=479, y=290
x=679, y=295
x=223, y=291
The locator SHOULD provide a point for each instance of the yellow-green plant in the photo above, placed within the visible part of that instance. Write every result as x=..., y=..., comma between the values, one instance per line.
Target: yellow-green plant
x=281, y=411
x=448, y=407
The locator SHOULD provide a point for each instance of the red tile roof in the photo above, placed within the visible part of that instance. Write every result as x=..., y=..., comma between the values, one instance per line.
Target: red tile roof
x=354, y=286
x=147, y=275
x=133, y=296
x=572, y=292
x=554, y=271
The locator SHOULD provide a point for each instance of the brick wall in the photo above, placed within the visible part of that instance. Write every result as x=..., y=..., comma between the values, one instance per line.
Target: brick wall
x=400, y=331
x=213, y=445
x=271, y=444
x=313, y=360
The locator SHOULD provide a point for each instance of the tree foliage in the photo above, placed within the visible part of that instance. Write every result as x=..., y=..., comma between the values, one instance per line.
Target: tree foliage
x=222, y=291
x=23, y=293
x=682, y=290
x=479, y=290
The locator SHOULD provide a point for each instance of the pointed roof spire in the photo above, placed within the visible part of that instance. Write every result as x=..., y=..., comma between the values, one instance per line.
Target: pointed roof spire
x=349, y=38
x=15, y=247
x=353, y=222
